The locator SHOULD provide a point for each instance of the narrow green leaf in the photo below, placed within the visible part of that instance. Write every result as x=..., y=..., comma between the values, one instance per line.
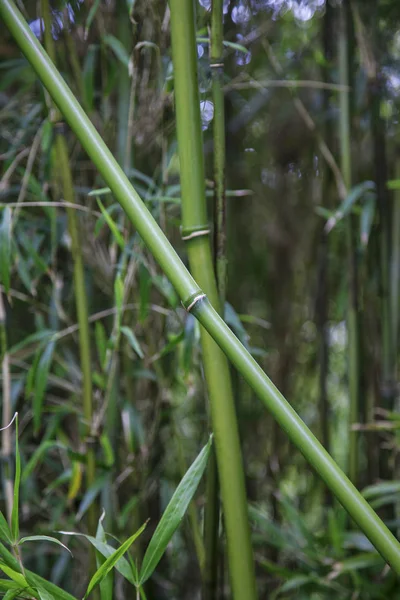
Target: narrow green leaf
x=44, y=538
x=101, y=342
x=364, y=560
x=112, y=225
x=38, y=336
x=88, y=76
x=107, y=449
x=381, y=489
x=17, y=480
x=119, y=293
x=107, y=585
x=5, y=533
x=232, y=318
x=5, y=249
x=41, y=378
x=38, y=455
x=132, y=341
x=367, y=217
x=393, y=184
x=100, y=192
x=112, y=560
x=14, y=575
x=355, y=194
x=89, y=497
x=11, y=594
x=118, y=48
x=44, y=594
x=122, y=566
x=174, y=514
x=91, y=16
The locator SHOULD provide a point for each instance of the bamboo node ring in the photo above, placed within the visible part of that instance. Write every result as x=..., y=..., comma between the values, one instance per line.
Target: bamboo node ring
x=189, y=234
x=194, y=301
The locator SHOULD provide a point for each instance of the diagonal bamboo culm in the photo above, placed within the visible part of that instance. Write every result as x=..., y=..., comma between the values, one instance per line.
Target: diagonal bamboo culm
x=188, y=290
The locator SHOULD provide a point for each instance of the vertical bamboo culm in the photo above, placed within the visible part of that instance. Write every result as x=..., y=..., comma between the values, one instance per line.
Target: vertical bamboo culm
x=195, y=231
x=353, y=329
x=211, y=517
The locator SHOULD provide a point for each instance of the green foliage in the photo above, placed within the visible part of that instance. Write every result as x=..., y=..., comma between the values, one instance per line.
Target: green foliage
x=145, y=350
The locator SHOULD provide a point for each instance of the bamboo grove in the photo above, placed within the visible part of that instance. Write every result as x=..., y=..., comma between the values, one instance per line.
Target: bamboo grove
x=260, y=140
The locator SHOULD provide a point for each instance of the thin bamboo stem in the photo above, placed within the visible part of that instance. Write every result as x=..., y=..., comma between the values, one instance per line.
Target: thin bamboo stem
x=353, y=308
x=62, y=172
x=216, y=369
x=6, y=412
x=188, y=290
x=212, y=508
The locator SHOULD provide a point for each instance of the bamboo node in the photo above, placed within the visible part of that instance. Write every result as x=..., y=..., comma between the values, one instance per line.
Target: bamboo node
x=216, y=65
x=193, y=300
x=188, y=233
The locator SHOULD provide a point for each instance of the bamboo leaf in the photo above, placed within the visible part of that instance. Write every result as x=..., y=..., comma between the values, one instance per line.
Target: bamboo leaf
x=112, y=560
x=107, y=585
x=76, y=480
x=122, y=566
x=88, y=76
x=367, y=217
x=89, y=497
x=11, y=594
x=38, y=455
x=5, y=533
x=17, y=480
x=44, y=538
x=117, y=47
x=38, y=336
x=91, y=16
x=132, y=339
x=174, y=514
x=100, y=192
x=101, y=342
x=41, y=378
x=14, y=575
x=112, y=225
x=355, y=194
x=5, y=249
x=380, y=489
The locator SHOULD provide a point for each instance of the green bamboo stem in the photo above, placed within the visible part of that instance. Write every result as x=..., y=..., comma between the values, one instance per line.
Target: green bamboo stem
x=62, y=170
x=212, y=508
x=357, y=507
x=216, y=368
x=353, y=327
x=217, y=69
x=395, y=273
x=6, y=447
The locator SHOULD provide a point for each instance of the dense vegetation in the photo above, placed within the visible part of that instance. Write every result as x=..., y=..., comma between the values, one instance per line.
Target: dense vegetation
x=116, y=388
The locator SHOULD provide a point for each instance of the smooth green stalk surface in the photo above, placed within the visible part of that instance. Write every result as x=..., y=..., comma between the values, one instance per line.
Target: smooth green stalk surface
x=212, y=509
x=217, y=71
x=353, y=326
x=286, y=416
x=216, y=368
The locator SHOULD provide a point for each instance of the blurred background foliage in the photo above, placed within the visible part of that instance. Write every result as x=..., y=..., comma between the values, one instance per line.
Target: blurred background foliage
x=289, y=286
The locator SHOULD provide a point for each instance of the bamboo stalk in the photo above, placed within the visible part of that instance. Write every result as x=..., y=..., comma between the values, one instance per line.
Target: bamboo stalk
x=6, y=413
x=212, y=508
x=62, y=172
x=353, y=326
x=195, y=230
x=192, y=297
